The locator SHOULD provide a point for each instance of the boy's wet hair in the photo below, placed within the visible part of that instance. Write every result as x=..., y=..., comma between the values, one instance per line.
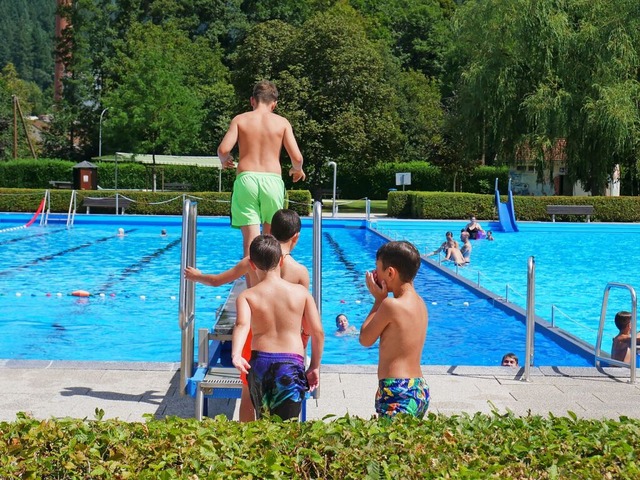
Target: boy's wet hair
x=265, y=92
x=285, y=224
x=623, y=319
x=265, y=252
x=403, y=256
x=510, y=355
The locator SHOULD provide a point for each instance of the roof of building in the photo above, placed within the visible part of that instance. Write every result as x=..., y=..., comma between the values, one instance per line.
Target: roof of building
x=213, y=162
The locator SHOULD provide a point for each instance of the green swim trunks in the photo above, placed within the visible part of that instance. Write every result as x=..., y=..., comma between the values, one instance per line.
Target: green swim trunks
x=256, y=197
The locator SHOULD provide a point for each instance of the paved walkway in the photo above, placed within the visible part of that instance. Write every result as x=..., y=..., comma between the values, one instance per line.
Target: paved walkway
x=129, y=391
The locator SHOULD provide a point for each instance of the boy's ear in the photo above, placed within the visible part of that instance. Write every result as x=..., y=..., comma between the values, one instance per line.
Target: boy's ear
x=281, y=261
x=252, y=265
x=392, y=273
x=295, y=238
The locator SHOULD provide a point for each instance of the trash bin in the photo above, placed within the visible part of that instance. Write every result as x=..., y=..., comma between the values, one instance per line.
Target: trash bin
x=85, y=176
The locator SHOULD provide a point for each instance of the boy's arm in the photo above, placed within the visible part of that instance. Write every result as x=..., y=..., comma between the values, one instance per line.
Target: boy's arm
x=379, y=316
x=227, y=144
x=294, y=152
x=240, y=333
x=313, y=326
x=215, y=280
x=377, y=320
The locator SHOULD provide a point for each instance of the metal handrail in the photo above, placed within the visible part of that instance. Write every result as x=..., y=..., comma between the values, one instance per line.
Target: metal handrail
x=186, y=315
x=634, y=328
x=531, y=317
x=71, y=215
x=46, y=209
x=317, y=255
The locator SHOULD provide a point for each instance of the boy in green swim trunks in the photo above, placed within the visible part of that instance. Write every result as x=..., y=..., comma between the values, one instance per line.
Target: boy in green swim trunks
x=400, y=322
x=258, y=191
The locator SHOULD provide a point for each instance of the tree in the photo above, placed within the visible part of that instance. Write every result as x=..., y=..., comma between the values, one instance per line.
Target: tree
x=532, y=73
x=152, y=108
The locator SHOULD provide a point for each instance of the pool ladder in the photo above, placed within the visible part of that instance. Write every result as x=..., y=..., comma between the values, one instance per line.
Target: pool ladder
x=187, y=302
x=599, y=356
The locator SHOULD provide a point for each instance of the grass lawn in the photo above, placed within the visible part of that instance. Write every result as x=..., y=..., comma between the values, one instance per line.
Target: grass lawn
x=357, y=206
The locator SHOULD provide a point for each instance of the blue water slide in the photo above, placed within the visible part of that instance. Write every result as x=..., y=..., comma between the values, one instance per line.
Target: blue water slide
x=506, y=212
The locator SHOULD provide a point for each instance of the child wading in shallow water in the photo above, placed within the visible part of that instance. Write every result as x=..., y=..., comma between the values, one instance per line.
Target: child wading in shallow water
x=400, y=322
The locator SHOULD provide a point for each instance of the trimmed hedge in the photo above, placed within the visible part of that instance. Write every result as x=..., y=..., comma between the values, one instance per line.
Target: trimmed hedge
x=443, y=205
x=145, y=203
x=376, y=181
x=478, y=446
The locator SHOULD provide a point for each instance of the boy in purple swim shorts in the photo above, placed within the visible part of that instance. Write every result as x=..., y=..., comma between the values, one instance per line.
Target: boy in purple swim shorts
x=400, y=322
x=273, y=310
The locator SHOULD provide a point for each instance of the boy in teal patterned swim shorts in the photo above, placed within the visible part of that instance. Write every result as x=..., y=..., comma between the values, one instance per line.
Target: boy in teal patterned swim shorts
x=400, y=322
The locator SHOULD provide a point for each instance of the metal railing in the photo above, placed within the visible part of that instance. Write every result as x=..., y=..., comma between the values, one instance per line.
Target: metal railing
x=634, y=328
x=531, y=317
x=317, y=255
x=46, y=209
x=186, y=315
x=73, y=206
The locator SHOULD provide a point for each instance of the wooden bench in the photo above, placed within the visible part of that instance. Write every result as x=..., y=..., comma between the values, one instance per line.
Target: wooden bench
x=107, y=202
x=177, y=186
x=328, y=193
x=61, y=184
x=554, y=210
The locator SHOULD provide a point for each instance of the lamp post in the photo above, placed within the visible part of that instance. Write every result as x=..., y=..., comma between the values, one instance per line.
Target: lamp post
x=335, y=172
x=100, y=134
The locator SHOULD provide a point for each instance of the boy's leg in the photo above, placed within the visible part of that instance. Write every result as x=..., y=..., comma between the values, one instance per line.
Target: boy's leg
x=246, y=412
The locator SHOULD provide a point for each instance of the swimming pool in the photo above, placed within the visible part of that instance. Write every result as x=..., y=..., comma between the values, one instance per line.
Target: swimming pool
x=135, y=279
x=574, y=262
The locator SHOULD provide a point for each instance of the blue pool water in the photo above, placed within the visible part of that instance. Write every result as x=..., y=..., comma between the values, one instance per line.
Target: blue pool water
x=574, y=262
x=136, y=318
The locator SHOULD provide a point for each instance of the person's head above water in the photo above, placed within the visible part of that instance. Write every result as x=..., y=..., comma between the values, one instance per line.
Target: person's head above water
x=342, y=322
x=121, y=232
x=509, y=360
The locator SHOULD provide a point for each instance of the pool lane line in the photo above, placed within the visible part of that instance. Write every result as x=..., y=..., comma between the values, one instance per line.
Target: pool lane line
x=46, y=258
x=350, y=266
x=28, y=237
x=138, y=266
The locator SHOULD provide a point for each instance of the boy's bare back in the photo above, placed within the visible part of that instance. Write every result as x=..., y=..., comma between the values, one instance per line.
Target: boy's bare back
x=260, y=135
x=276, y=308
x=403, y=337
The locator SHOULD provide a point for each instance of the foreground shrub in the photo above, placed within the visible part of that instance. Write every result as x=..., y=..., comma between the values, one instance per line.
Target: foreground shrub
x=478, y=446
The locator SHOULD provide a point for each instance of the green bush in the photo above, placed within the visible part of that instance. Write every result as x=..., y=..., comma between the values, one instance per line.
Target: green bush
x=444, y=205
x=144, y=203
x=478, y=446
x=376, y=182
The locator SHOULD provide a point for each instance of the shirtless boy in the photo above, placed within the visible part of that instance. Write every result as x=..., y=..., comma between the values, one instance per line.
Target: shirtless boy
x=273, y=311
x=285, y=226
x=258, y=191
x=400, y=322
x=621, y=348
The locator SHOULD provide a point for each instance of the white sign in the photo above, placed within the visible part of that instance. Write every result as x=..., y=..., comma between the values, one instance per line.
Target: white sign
x=403, y=178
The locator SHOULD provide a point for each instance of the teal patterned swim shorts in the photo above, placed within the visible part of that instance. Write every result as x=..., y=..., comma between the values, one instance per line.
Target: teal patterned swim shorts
x=402, y=395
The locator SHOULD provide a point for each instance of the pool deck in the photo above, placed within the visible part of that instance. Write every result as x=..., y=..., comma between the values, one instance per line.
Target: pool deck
x=129, y=391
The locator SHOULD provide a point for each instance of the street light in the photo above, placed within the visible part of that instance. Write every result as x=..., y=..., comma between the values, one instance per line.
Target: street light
x=335, y=171
x=100, y=134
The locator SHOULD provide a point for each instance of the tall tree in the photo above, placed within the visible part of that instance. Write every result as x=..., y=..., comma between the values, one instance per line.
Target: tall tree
x=535, y=72
x=152, y=109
